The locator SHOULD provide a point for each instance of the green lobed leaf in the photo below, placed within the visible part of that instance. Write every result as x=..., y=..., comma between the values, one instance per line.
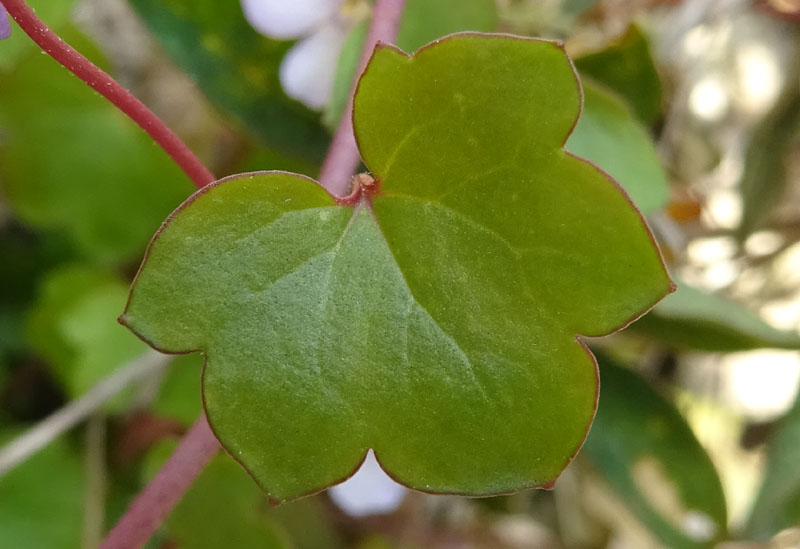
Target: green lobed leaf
x=236, y=68
x=72, y=162
x=611, y=137
x=777, y=505
x=41, y=500
x=692, y=319
x=434, y=320
x=423, y=21
x=647, y=453
x=627, y=67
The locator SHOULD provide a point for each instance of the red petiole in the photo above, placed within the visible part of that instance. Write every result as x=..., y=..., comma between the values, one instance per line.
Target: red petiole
x=109, y=88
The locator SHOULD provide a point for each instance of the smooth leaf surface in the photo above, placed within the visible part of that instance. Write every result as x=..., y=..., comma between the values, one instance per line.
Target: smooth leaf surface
x=610, y=136
x=649, y=456
x=778, y=503
x=71, y=162
x=433, y=321
x=627, y=67
x=692, y=319
x=236, y=68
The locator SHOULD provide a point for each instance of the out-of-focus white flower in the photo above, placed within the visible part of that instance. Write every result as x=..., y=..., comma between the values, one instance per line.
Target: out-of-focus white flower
x=5, y=24
x=369, y=492
x=308, y=70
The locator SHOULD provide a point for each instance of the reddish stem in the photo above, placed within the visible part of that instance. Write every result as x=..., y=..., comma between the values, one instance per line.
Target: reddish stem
x=343, y=157
x=155, y=503
x=109, y=88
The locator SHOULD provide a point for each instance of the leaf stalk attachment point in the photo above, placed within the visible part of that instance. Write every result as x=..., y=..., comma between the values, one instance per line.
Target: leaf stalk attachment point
x=343, y=157
x=362, y=187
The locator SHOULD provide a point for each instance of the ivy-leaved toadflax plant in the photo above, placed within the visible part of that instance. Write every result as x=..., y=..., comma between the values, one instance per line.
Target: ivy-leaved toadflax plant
x=433, y=315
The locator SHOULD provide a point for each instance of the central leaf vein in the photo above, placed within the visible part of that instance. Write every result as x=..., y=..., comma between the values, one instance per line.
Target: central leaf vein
x=462, y=354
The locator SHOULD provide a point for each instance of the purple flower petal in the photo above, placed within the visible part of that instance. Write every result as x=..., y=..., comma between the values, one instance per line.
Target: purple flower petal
x=5, y=24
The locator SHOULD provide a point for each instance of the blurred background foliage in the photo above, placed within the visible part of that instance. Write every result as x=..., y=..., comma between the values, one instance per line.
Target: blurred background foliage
x=693, y=106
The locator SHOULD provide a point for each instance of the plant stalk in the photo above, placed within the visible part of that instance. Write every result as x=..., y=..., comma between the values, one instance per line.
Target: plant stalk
x=97, y=482
x=153, y=505
x=109, y=88
x=50, y=428
x=343, y=157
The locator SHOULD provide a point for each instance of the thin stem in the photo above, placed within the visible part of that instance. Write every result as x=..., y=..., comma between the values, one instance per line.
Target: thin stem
x=342, y=160
x=97, y=481
x=109, y=88
x=155, y=503
x=39, y=436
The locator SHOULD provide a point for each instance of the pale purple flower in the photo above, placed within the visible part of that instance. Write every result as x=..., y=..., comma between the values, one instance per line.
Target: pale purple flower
x=5, y=24
x=369, y=492
x=308, y=70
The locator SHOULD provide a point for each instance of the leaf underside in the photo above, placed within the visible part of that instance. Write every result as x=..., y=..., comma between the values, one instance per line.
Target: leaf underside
x=434, y=321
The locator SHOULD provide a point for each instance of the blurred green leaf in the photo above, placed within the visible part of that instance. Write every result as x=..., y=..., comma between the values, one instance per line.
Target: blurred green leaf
x=611, y=137
x=26, y=256
x=345, y=73
x=71, y=161
x=262, y=159
x=627, y=67
x=767, y=158
x=691, y=319
x=41, y=500
x=649, y=456
x=576, y=7
x=777, y=505
x=55, y=13
x=180, y=396
x=237, y=69
x=73, y=325
x=302, y=524
x=423, y=22
x=224, y=508
x=308, y=524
